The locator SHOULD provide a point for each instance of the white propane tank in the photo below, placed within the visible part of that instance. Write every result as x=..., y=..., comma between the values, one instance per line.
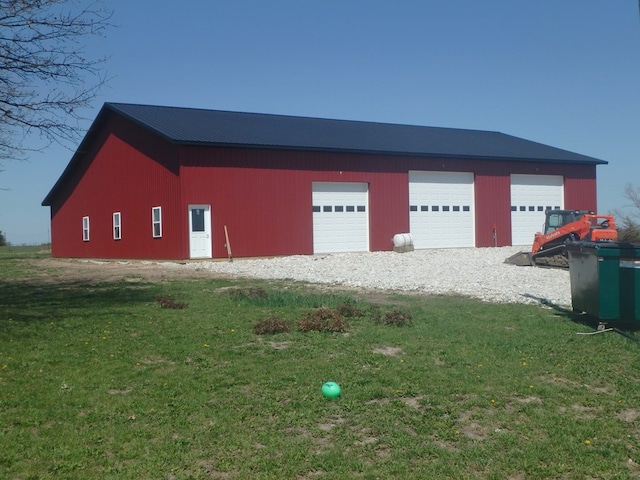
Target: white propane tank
x=402, y=242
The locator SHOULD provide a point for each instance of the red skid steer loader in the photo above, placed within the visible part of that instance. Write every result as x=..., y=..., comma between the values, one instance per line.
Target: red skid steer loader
x=562, y=227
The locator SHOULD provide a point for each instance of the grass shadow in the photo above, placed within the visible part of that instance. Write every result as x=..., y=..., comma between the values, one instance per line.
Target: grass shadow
x=31, y=302
x=627, y=330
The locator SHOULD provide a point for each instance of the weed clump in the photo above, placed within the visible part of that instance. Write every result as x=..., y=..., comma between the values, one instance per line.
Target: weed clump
x=271, y=326
x=349, y=310
x=166, y=302
x=323, y=320
x=396, y=317
x=247, y=293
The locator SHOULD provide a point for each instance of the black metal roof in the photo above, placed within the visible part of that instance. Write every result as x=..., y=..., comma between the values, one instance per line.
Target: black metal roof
x=191, y=126
x=215, y=127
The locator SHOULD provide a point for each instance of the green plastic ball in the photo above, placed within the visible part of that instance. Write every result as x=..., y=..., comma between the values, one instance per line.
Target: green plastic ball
x=331, y=390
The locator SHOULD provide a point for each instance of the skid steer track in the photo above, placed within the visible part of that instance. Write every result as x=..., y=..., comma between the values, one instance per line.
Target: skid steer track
x=551, y=258
x=555, y=257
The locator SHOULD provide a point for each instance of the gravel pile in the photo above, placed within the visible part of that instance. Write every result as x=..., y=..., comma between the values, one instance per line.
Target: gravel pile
x=474, y=272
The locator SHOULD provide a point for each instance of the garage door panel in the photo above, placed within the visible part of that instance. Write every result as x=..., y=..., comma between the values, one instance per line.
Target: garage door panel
x=531, y=196
x=340, y=217
x=441, y=209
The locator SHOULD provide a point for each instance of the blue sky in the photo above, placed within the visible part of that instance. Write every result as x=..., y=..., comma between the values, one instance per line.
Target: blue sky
x=564, y=73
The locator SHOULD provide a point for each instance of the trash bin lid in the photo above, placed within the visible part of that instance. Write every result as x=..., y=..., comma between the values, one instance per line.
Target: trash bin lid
x=607, y=249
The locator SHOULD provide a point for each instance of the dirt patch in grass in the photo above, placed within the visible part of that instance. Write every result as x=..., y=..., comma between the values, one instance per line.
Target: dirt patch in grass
x=210, y=469
x=365, y=436
x=629, y=415
x=388, y=351
x=530, y=399
x=114, y=391
x=413, y=402
x=472, y=426
x=279, y=345
x=580, y=411
x=475, y=431
x=331, y=424
x=97, y=271
x=573, y=384
x=156, y=361
x=379, y=401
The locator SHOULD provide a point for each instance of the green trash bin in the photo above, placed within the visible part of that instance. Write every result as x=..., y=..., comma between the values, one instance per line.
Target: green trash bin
x=605, y=281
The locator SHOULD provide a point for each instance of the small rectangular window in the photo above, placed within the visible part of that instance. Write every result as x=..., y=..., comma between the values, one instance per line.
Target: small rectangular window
x=116, y=226
x=351, y=208
x=339, y=208
x=445, y=208
x=197, y=220
x=316, y=209
x=514, y=208
x=523, y=208
x=85, y=229
x=532, y=208
x=156, y=218
x=540, y=208
x=326, y=208
x=413, y=208
x=360, y=208
x=456, y=208
x=466, y=208
x=424, y=208
x=435, y=208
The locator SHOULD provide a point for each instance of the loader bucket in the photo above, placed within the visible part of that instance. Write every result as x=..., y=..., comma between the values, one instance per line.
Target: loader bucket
x=522, y=259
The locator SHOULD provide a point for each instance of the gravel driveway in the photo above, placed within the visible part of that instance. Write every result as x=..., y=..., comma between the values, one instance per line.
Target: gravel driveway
x=474, y=272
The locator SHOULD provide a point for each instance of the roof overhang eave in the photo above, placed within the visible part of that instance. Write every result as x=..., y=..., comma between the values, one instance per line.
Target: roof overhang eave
x=400, y=153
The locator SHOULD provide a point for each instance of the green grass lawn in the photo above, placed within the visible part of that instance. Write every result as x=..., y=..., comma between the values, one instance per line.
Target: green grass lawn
x=98, y=381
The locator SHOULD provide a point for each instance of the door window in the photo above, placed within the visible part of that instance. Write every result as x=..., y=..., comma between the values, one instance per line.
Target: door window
x=197, y=220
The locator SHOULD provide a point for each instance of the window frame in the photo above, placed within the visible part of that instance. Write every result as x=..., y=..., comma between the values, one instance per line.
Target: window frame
x=158, y=222
x=86, y=224
x=117, y=226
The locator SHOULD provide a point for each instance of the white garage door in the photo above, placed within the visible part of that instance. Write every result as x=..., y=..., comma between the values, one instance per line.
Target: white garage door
x=441, y=212
x=340, y=217
x=531, y=195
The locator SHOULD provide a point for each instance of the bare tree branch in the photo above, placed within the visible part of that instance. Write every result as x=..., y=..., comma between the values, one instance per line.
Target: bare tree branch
x=628, y=217
x=46, y=79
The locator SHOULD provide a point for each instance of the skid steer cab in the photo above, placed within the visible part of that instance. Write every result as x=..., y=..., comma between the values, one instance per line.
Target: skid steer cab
x=562, y=227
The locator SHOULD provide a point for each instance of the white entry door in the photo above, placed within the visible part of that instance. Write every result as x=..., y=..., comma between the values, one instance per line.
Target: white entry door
x=199, y=231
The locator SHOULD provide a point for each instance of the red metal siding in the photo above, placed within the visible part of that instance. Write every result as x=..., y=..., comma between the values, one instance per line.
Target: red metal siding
x=493, y=209
x=265, y=201
x=128, y=171
x=580, y=188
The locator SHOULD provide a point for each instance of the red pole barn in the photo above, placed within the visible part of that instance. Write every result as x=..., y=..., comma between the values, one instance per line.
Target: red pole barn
x=163, y=183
